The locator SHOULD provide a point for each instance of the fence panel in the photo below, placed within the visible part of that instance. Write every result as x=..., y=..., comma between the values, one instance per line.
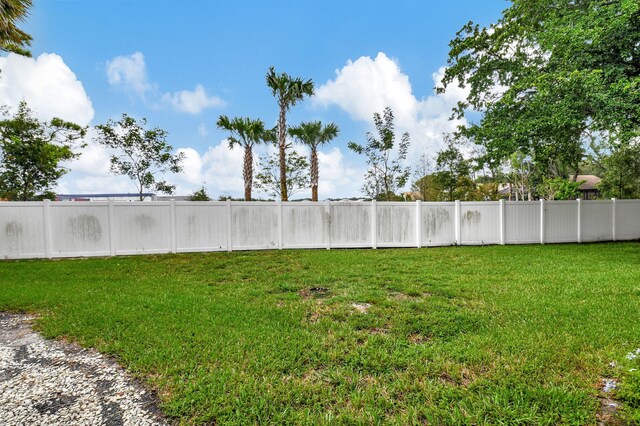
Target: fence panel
x=597, y=220
x=21, y=230
x=142, y=227
x=396, y=225
x=44, y=229
x=80, y=229
x=522, y=222
x=254, y=225
x=561, y=222
x=627, y=219
x=480, y=222
x=351, y=224
x=306, y=225
x=201, y=226
x=438, y=227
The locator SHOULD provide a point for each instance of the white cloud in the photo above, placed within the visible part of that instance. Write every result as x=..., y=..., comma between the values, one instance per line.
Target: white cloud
x=192, y=101
x=367, y=85
x=130, y=73
x=48, y=86
x=337, y=177
x=202, y=130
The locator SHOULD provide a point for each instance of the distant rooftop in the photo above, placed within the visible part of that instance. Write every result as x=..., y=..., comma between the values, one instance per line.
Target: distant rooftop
x=591, y=183
x=71, y=197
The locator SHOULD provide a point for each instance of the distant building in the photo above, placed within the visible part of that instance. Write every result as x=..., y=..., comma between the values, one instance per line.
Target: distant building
x=589, y=189
x=106, y=197
x=173, y=197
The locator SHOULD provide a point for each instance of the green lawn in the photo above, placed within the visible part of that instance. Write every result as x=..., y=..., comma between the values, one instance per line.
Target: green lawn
x=457, y=335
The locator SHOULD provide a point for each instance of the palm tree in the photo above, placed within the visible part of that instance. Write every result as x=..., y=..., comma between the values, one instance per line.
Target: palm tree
x=13, y=39
x=288, y=91
x=314, y=135
x=246, y=133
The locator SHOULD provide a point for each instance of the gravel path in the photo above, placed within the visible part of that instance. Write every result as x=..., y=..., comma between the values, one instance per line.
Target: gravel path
x=45, y=382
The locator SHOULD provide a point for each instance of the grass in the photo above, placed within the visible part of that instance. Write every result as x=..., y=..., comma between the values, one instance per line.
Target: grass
x=458, y=335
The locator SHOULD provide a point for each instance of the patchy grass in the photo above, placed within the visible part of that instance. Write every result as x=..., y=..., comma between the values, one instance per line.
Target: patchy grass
x=459, y=335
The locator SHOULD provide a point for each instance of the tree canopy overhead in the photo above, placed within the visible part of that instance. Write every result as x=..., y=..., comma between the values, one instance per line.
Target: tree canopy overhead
x=12, y=38
x=550, y=77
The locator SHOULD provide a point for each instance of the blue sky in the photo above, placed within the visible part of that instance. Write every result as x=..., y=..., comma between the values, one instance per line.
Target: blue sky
x=182, y=64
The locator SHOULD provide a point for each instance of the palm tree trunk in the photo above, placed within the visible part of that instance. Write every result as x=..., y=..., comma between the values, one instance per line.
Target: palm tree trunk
x=315, y=174
x=282, y=138
x=247, y=172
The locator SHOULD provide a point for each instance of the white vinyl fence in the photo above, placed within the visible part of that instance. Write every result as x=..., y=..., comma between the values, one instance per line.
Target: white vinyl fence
x=68, y=229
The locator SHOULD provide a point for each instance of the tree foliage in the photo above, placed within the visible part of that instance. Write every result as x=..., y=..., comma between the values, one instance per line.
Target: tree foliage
x=288, y=91
x=452, y=179
x=422, y=185
x=32, y=153
x=559, y=189
x=12, y=38
x=268, y=176
x=247, y=133
x=200, y=195
x=386, y=173
x=621, y=178
x=142, y=155
x=313, y=134
x=550, y=77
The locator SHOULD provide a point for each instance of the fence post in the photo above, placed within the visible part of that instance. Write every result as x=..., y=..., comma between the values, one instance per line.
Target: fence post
x=613, y=209
x=112, y=228
x=458, y=223
x=579, y=220
x=542, y=224
x=503, y=236
x=172, y=226
x=46, y=212
x=374, y=224
x=327, y=212
x=229, y=226
x=280, y=226
x=418, y=223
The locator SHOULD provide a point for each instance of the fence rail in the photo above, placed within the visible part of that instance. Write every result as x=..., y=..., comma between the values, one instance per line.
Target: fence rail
x=71, y=229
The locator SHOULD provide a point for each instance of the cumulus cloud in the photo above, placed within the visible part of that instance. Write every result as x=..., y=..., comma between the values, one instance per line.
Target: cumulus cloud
x=129, y=72
x=192, y=101
x=367, y=85
x=48, y=86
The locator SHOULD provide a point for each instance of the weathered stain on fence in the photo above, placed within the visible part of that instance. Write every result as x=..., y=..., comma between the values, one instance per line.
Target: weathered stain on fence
x=36, y=229
x=84, y=227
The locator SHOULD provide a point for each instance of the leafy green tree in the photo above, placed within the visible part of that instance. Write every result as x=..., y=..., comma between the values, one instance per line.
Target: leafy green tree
x=422, y=183
x=247, y=133
x=314, y=134
x=32, y=153
x=142, y=154
x=453, y=175
x=521, y=176
x=549, y=77
x=386, y=174
x=12, y=38
x=200, y=195
x=268, y=177
x=288, y=91
x=621, y=178
x=560, y=189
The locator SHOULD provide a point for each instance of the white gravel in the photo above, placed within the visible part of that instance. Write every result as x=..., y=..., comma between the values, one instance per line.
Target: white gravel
x=44, y=382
